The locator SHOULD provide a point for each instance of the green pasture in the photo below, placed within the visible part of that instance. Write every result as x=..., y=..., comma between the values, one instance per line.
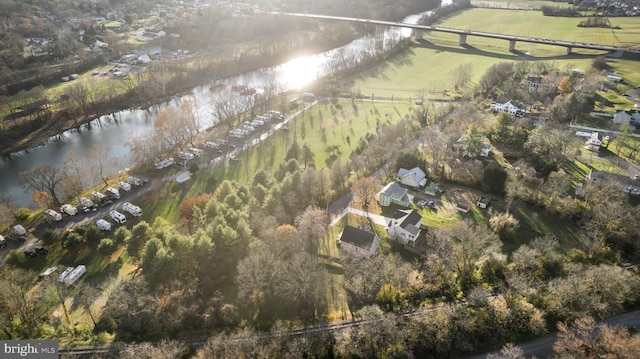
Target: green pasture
x=534, y=24
x=524, y=4
x=433, y=66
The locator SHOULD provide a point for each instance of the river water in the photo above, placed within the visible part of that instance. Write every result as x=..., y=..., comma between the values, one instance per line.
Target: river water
x=113, y=131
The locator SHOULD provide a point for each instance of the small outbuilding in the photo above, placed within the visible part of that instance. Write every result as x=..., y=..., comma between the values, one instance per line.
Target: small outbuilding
x=484, y=202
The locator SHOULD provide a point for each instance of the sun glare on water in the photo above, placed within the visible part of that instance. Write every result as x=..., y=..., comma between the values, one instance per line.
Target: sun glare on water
x=300, y=71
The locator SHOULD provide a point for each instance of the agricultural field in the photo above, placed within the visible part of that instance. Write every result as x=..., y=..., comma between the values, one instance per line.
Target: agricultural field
x=534, y=24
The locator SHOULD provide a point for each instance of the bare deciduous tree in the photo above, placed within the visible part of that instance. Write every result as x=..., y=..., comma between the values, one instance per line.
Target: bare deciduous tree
x=44, y=177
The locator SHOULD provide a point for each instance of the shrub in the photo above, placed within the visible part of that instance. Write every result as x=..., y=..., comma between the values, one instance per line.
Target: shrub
x=16, y=259
x=193, y=167
x=107, y=246
x=51, y=236
x=23, y=213
x=73, y=240
x=92, y=233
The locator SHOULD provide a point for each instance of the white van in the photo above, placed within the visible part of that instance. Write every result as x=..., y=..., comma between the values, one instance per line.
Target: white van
x=103, y=225
x=69, y=209
x=117, y=216
x=52, y=215
x=131, y=208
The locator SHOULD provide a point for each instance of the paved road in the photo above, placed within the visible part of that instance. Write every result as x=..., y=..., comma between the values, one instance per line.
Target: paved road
x=543, y=347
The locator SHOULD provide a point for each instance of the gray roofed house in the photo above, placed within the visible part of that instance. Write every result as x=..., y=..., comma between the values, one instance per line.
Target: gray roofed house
x=358, y=242
x=405, y=226
x=393, y=193
x=632, y=117
x=414, y=177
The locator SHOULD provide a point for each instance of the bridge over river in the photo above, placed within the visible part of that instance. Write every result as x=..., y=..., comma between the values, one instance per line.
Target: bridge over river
x=419, y=31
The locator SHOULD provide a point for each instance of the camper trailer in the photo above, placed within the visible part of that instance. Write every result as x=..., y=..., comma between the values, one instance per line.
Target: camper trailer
x=74, y=275
x=86, y=204
x=19, y=230
x=64, y=274
x=117, y=216
x=113, y=193
x=69, y=209
x=124, y=186
x=131, y=208
x=52, y=215
x=103, y=225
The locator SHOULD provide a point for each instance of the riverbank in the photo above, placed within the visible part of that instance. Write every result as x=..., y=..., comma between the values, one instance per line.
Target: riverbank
x=35, y=133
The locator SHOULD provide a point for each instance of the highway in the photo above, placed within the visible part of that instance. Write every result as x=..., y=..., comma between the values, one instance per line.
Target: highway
x=516, y=38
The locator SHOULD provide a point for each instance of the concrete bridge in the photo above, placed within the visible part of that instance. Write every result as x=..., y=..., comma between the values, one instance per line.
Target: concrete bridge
x=463, y=34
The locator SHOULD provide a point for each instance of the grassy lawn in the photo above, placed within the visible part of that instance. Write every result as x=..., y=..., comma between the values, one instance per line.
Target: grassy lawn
x=604, y=123
x=320, y=127
x=624, y=147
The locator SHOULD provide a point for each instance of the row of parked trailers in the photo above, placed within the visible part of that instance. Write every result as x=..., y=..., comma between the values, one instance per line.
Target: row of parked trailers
x=119, y=217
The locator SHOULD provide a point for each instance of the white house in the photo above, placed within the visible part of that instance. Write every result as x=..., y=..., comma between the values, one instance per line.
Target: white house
x=513, y=108
x=594, y=142
x=393, y=193
x=405, y=226
x=358, y=242
x=414, y=177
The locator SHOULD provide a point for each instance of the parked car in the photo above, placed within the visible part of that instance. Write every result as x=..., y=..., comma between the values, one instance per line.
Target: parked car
x=29, y=254
x=422, y=203
x=3, y=242
x=69, y=209
x=41, y=250
x=233, y=158
x=52, y=215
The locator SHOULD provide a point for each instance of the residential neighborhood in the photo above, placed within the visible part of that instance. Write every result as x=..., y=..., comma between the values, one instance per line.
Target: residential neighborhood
x=290, y=179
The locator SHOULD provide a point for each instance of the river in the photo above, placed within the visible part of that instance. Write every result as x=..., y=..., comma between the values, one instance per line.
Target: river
x=113, y=131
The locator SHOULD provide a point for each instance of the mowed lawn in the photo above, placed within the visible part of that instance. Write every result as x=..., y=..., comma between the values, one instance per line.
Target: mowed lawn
x=324, y=128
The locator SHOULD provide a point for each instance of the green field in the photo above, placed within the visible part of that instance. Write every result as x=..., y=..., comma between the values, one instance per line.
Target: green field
x=534, y=24
x=524, y=4
x=432, y=65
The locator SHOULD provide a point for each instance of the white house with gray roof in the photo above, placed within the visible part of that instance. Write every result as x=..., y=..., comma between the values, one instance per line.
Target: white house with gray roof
x=405, y=226
x=414, y=177
x=393, y=193
x=513, y=108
